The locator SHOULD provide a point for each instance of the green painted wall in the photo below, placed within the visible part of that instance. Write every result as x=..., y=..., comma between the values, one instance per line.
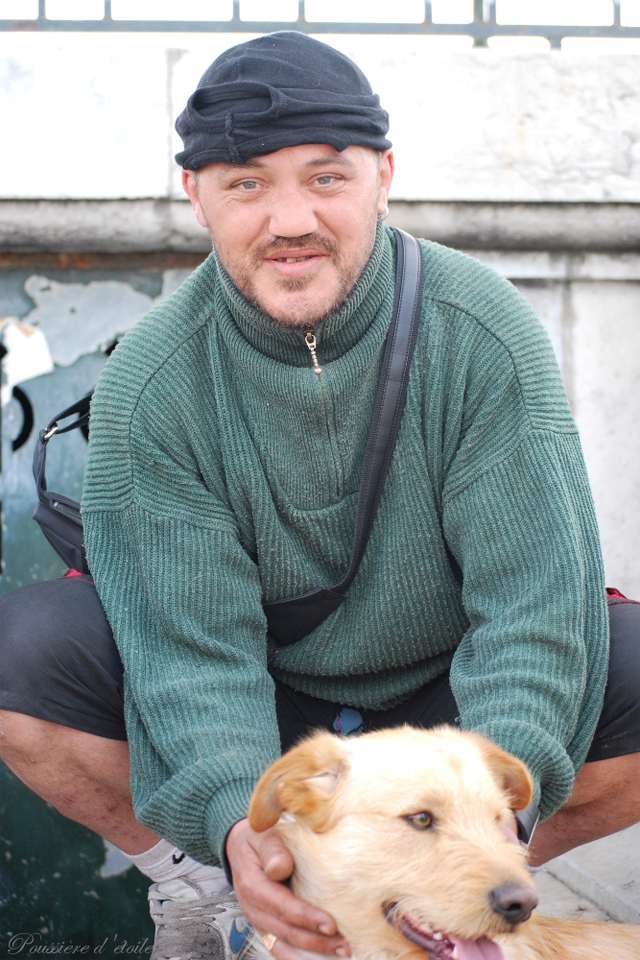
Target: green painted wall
x=58, y=887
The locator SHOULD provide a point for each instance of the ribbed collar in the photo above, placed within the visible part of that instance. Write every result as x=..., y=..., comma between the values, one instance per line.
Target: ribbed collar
x=339, y=332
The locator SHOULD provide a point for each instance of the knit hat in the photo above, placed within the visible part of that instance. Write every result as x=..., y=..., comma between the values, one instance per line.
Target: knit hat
x=280, y=90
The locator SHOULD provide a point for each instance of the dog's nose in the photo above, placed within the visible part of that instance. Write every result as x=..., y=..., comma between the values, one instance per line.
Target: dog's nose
x=514, y=901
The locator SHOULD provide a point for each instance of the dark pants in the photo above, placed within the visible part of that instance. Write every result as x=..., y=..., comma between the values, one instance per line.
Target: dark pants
x=60, y=663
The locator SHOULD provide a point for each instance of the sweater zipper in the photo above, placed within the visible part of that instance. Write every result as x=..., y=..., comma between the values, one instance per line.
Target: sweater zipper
x=311, y=342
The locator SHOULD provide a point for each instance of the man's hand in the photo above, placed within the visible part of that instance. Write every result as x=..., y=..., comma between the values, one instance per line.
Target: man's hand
x=260, y=863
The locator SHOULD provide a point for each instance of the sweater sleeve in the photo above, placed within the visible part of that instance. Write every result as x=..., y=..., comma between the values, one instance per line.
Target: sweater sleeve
x=518, y=517
x=184, y=601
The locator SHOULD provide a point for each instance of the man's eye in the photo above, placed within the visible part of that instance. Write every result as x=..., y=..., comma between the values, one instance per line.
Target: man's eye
x=324, y=179
x=248, y=184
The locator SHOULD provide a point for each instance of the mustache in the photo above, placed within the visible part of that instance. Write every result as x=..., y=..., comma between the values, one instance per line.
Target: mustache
x=275, y=244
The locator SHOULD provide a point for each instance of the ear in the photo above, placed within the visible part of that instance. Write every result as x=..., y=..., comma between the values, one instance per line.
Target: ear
x=510, y=773
x=387, y=165
x=190, y=187
x=302, y=782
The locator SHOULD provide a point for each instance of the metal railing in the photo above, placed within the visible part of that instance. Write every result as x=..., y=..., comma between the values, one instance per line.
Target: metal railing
x=483, y=26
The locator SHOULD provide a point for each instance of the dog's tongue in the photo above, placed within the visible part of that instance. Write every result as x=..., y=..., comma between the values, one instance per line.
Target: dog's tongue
x=482, y=949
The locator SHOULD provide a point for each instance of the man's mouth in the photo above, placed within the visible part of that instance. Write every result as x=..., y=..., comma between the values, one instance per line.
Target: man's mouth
x=440, y=945
x=292, y=264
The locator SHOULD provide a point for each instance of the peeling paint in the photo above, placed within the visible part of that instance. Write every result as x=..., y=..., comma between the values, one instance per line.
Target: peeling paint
x=78, y=319
x=27, y=355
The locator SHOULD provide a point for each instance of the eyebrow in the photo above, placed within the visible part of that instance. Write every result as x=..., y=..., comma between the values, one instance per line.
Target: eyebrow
x=256, y=164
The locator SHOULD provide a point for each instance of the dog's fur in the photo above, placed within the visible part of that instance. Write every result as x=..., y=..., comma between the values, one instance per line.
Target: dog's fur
x=343, y=806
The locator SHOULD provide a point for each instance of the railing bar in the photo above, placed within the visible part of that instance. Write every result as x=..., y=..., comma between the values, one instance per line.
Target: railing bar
x=478, y=30
x=616, y=13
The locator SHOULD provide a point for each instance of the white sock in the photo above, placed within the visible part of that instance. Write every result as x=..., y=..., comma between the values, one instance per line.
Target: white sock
x=164, y=862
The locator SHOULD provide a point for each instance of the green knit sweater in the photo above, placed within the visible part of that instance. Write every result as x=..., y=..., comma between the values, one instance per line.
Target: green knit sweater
x=223, y=471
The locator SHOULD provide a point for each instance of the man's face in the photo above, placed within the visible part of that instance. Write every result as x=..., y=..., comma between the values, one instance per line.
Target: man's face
x=294, y=229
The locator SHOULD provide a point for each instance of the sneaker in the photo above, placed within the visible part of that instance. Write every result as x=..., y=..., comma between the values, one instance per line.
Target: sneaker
x=193, y=926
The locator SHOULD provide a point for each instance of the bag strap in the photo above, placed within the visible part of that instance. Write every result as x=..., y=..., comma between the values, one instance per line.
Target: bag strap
x=81, y=407
x=293, y=618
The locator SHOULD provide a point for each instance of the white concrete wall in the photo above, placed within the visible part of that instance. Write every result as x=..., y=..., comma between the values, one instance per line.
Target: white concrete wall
x=91, y=116
x=590, y=306
x=534, y=140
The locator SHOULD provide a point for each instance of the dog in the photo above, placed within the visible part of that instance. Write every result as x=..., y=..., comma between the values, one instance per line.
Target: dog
x=402, y=836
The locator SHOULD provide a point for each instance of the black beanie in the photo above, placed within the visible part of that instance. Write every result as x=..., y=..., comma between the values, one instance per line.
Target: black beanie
x=280, y=90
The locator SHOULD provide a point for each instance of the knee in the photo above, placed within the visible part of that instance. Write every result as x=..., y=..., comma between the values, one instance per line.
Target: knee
x=23, y=736
x=10, y=726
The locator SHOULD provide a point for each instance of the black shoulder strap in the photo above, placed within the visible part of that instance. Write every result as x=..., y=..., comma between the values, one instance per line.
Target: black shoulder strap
x=59, y=516
x=80, y=407
x=291, y=619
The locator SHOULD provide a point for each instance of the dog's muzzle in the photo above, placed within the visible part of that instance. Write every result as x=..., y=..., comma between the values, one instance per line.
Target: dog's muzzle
x=439, y=945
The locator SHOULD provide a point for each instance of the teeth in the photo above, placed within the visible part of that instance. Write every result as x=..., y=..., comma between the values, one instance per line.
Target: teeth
x=437, y=935
x=454, y=954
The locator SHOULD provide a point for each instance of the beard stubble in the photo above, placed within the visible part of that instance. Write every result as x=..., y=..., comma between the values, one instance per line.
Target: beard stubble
x=348, y=274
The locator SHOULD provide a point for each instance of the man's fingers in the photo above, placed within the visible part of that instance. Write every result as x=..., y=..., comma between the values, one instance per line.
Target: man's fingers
x=276, y=859
x=283, y=951
x=259, y=862
x=267, y=892
x=297, y=938
x=278, y=867
x=272, y=907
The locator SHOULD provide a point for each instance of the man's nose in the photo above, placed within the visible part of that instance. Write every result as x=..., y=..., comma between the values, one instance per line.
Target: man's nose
x=292, y=214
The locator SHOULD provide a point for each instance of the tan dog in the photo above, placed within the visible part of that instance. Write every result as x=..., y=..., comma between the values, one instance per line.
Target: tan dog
x=400, y=836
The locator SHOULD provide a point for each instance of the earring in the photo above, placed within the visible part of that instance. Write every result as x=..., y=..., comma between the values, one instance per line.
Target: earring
x=383, y=216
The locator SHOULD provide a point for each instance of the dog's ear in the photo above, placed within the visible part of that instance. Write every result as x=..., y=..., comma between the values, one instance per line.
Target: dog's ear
x=511, y=773
x=301, y=782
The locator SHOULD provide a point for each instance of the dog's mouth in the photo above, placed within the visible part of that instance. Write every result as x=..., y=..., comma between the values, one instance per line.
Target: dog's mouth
x=440, y=945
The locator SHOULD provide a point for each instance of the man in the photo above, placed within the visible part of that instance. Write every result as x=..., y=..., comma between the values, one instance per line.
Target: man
x=227, y=440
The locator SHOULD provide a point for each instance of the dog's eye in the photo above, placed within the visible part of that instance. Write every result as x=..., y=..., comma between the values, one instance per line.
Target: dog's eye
x=421, y=821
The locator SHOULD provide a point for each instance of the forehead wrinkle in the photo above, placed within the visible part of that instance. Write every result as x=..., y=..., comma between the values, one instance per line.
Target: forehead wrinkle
x=321, y=161
x=225, y=170
x=257, y=164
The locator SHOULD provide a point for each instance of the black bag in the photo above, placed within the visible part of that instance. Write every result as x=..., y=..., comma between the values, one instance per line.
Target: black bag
x=293, y=618
x=59, y=516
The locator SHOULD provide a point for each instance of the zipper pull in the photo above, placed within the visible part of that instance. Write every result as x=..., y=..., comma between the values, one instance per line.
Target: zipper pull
x=311, y=342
